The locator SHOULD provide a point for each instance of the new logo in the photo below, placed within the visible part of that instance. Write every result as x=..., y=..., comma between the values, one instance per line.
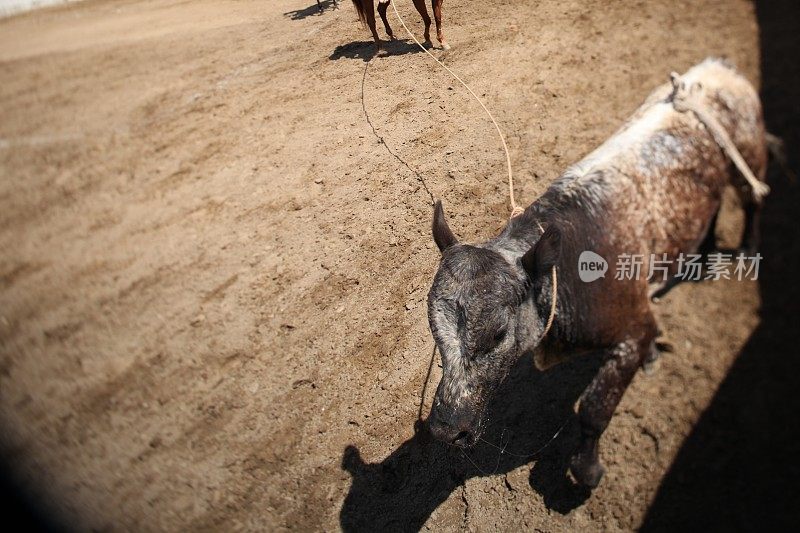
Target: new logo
x=591, y=266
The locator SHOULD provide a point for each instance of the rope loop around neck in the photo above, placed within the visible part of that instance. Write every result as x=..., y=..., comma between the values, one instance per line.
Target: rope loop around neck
x=553, y=294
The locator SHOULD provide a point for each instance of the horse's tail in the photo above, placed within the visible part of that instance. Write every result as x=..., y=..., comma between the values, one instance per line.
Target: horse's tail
x=362, y=13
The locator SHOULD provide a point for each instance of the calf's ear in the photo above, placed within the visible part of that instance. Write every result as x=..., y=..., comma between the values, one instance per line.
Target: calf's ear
x=442, y=235
x=544, y=254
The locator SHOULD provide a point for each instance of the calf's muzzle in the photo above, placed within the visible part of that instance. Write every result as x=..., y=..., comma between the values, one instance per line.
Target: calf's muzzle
x=453, y=426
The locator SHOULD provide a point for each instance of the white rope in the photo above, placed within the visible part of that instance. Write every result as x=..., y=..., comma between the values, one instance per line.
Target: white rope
x=515, y=209
x=688, y=98
x=553, y=294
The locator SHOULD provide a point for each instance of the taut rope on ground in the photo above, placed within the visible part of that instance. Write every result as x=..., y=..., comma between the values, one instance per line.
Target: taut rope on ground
x=515, y=209
x=383, y=141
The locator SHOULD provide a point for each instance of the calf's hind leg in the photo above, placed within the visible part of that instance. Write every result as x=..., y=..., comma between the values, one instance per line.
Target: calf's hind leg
x=751, y=236
x=601, y=398
x=709, y=243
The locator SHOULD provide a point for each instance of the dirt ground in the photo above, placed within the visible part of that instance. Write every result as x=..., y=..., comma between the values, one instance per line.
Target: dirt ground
x=213, y=274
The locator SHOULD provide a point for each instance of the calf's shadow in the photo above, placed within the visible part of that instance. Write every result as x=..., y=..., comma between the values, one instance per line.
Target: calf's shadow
x=400, y=492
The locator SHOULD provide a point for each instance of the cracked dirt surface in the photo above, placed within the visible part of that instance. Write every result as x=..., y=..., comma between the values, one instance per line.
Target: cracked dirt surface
x=213, y=276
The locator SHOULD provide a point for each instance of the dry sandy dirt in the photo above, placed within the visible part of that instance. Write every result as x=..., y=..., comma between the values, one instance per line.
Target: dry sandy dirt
x=213, y=273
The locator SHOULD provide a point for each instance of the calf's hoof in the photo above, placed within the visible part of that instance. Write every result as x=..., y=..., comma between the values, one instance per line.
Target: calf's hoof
x=650, y=361
x=650, y=367
x=748, y=249
x=587, y=473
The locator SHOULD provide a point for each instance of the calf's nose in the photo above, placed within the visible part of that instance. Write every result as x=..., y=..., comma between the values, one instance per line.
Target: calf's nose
x=464, y=439
x=446, y=431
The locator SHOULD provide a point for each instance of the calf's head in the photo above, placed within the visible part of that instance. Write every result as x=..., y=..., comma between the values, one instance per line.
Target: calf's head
x=484, y=311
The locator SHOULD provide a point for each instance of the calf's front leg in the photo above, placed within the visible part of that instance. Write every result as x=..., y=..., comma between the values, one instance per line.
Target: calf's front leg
x=601, y=398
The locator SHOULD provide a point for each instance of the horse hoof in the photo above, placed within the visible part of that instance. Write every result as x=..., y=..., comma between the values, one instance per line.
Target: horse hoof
x=445, y=46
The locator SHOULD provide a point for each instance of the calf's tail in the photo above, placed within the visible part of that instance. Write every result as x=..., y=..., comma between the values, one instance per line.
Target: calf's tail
x=776, y=151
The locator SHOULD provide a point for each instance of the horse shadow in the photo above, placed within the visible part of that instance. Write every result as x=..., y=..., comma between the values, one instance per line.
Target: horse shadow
x=313, y=9
x=365, y=50
x=400, y=492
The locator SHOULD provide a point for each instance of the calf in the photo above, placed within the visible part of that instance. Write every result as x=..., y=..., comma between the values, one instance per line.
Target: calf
x=655, y=188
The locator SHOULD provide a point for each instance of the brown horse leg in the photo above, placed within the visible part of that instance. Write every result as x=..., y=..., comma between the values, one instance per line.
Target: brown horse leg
x=423, y=11
x=383, y=5
x=437, y=14
x=369, y=14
